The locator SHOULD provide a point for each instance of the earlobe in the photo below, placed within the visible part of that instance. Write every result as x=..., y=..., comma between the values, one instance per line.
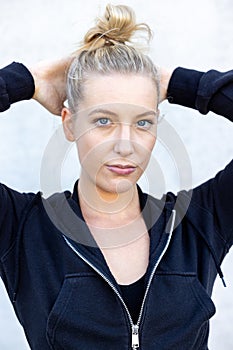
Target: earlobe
x=67, y=124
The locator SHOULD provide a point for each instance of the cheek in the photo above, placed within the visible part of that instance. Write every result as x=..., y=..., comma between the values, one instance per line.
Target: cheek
x=148, y=139
x=148, y=143
x=151, y=143
x=145, y=150
x=92, y=149
x=85, y=147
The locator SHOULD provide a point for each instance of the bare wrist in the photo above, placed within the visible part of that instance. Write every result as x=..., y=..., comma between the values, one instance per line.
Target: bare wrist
x=165, y=76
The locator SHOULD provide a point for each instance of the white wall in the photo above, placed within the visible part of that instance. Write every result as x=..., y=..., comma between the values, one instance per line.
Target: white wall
x=195, y=34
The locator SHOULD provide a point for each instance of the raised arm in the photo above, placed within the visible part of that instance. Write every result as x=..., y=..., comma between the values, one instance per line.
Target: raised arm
x=45, y=82
x=210, y=91
x=16, y=84
x=50, y=83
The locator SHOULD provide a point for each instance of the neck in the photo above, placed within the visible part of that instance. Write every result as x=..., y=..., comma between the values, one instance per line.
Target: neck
x=96, y=203
x=114, y=219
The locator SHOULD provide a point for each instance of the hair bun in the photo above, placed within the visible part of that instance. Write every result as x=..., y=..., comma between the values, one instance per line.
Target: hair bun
x=118, y=25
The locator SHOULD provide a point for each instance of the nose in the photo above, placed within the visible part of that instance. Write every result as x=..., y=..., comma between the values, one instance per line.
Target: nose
x=123, y=143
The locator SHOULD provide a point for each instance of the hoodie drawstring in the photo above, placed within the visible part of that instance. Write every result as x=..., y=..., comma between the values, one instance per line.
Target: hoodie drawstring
x=212, y=252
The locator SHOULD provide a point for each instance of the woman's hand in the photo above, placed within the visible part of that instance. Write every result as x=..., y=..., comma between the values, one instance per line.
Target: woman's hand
x=50, y=83
x=165, y=75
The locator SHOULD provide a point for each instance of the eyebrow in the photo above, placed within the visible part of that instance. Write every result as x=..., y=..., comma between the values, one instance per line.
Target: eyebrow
x=106, y=111
x=100, y=110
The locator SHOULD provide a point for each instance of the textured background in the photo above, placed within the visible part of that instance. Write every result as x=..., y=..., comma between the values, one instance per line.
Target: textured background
x=194, y=34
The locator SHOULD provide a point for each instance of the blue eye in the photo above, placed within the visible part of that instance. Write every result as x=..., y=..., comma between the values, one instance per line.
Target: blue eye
x=144, y=124
x=102, y=121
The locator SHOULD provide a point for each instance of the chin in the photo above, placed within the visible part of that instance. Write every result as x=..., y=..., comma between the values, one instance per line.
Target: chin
x=124, y=186
x=121, y=186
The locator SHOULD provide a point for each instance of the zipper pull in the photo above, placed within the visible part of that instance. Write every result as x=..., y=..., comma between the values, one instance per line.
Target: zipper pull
x=135, y=337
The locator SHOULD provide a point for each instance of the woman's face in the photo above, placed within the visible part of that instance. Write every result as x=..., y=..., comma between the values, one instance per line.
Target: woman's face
x=115, y=130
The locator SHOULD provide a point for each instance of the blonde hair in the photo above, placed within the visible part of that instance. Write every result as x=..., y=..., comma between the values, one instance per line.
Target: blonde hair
x=108, y=48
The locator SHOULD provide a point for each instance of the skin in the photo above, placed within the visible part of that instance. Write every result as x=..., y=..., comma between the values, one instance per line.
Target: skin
x=50, y=82
x=115, y=133
x=116, y=125
x=113, y=225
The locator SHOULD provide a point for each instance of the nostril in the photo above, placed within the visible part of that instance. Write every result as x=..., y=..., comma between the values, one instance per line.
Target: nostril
x=124, y=147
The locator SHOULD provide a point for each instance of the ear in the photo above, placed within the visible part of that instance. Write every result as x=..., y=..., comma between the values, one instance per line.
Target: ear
x=68, y=124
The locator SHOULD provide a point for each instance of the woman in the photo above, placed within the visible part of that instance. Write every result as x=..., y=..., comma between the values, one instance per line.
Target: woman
x=108, y=266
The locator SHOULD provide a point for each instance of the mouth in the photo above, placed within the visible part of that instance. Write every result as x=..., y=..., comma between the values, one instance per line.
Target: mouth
x=121, y=169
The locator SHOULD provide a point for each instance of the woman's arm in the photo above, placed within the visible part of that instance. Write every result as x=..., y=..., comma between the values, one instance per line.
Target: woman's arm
x=45, y=82
x=210, y=91
x=50, y=83
x=16, y=84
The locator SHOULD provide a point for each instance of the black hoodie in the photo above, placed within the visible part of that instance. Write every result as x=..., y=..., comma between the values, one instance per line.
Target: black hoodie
x=61, y=288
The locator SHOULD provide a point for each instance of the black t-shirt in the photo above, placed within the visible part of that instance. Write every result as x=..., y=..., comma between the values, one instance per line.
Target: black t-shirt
x=133, y=296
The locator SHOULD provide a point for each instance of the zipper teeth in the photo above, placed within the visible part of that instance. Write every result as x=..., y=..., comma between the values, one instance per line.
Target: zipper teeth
x=150, y=279
x=155, y=267
x=103, y=276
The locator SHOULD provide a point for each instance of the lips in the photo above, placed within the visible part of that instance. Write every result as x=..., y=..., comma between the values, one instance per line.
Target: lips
x=121, y=169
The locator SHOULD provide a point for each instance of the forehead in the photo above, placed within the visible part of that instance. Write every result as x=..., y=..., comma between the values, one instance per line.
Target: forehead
x=133, y=89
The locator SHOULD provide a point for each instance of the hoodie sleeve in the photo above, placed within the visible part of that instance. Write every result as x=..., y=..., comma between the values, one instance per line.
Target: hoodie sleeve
x=210, y=91
x=215, y=197
x=16, y=84
x=12, y=207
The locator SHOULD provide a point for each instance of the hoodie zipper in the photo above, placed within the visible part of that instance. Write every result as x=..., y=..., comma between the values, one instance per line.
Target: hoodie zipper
x=134, y=327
